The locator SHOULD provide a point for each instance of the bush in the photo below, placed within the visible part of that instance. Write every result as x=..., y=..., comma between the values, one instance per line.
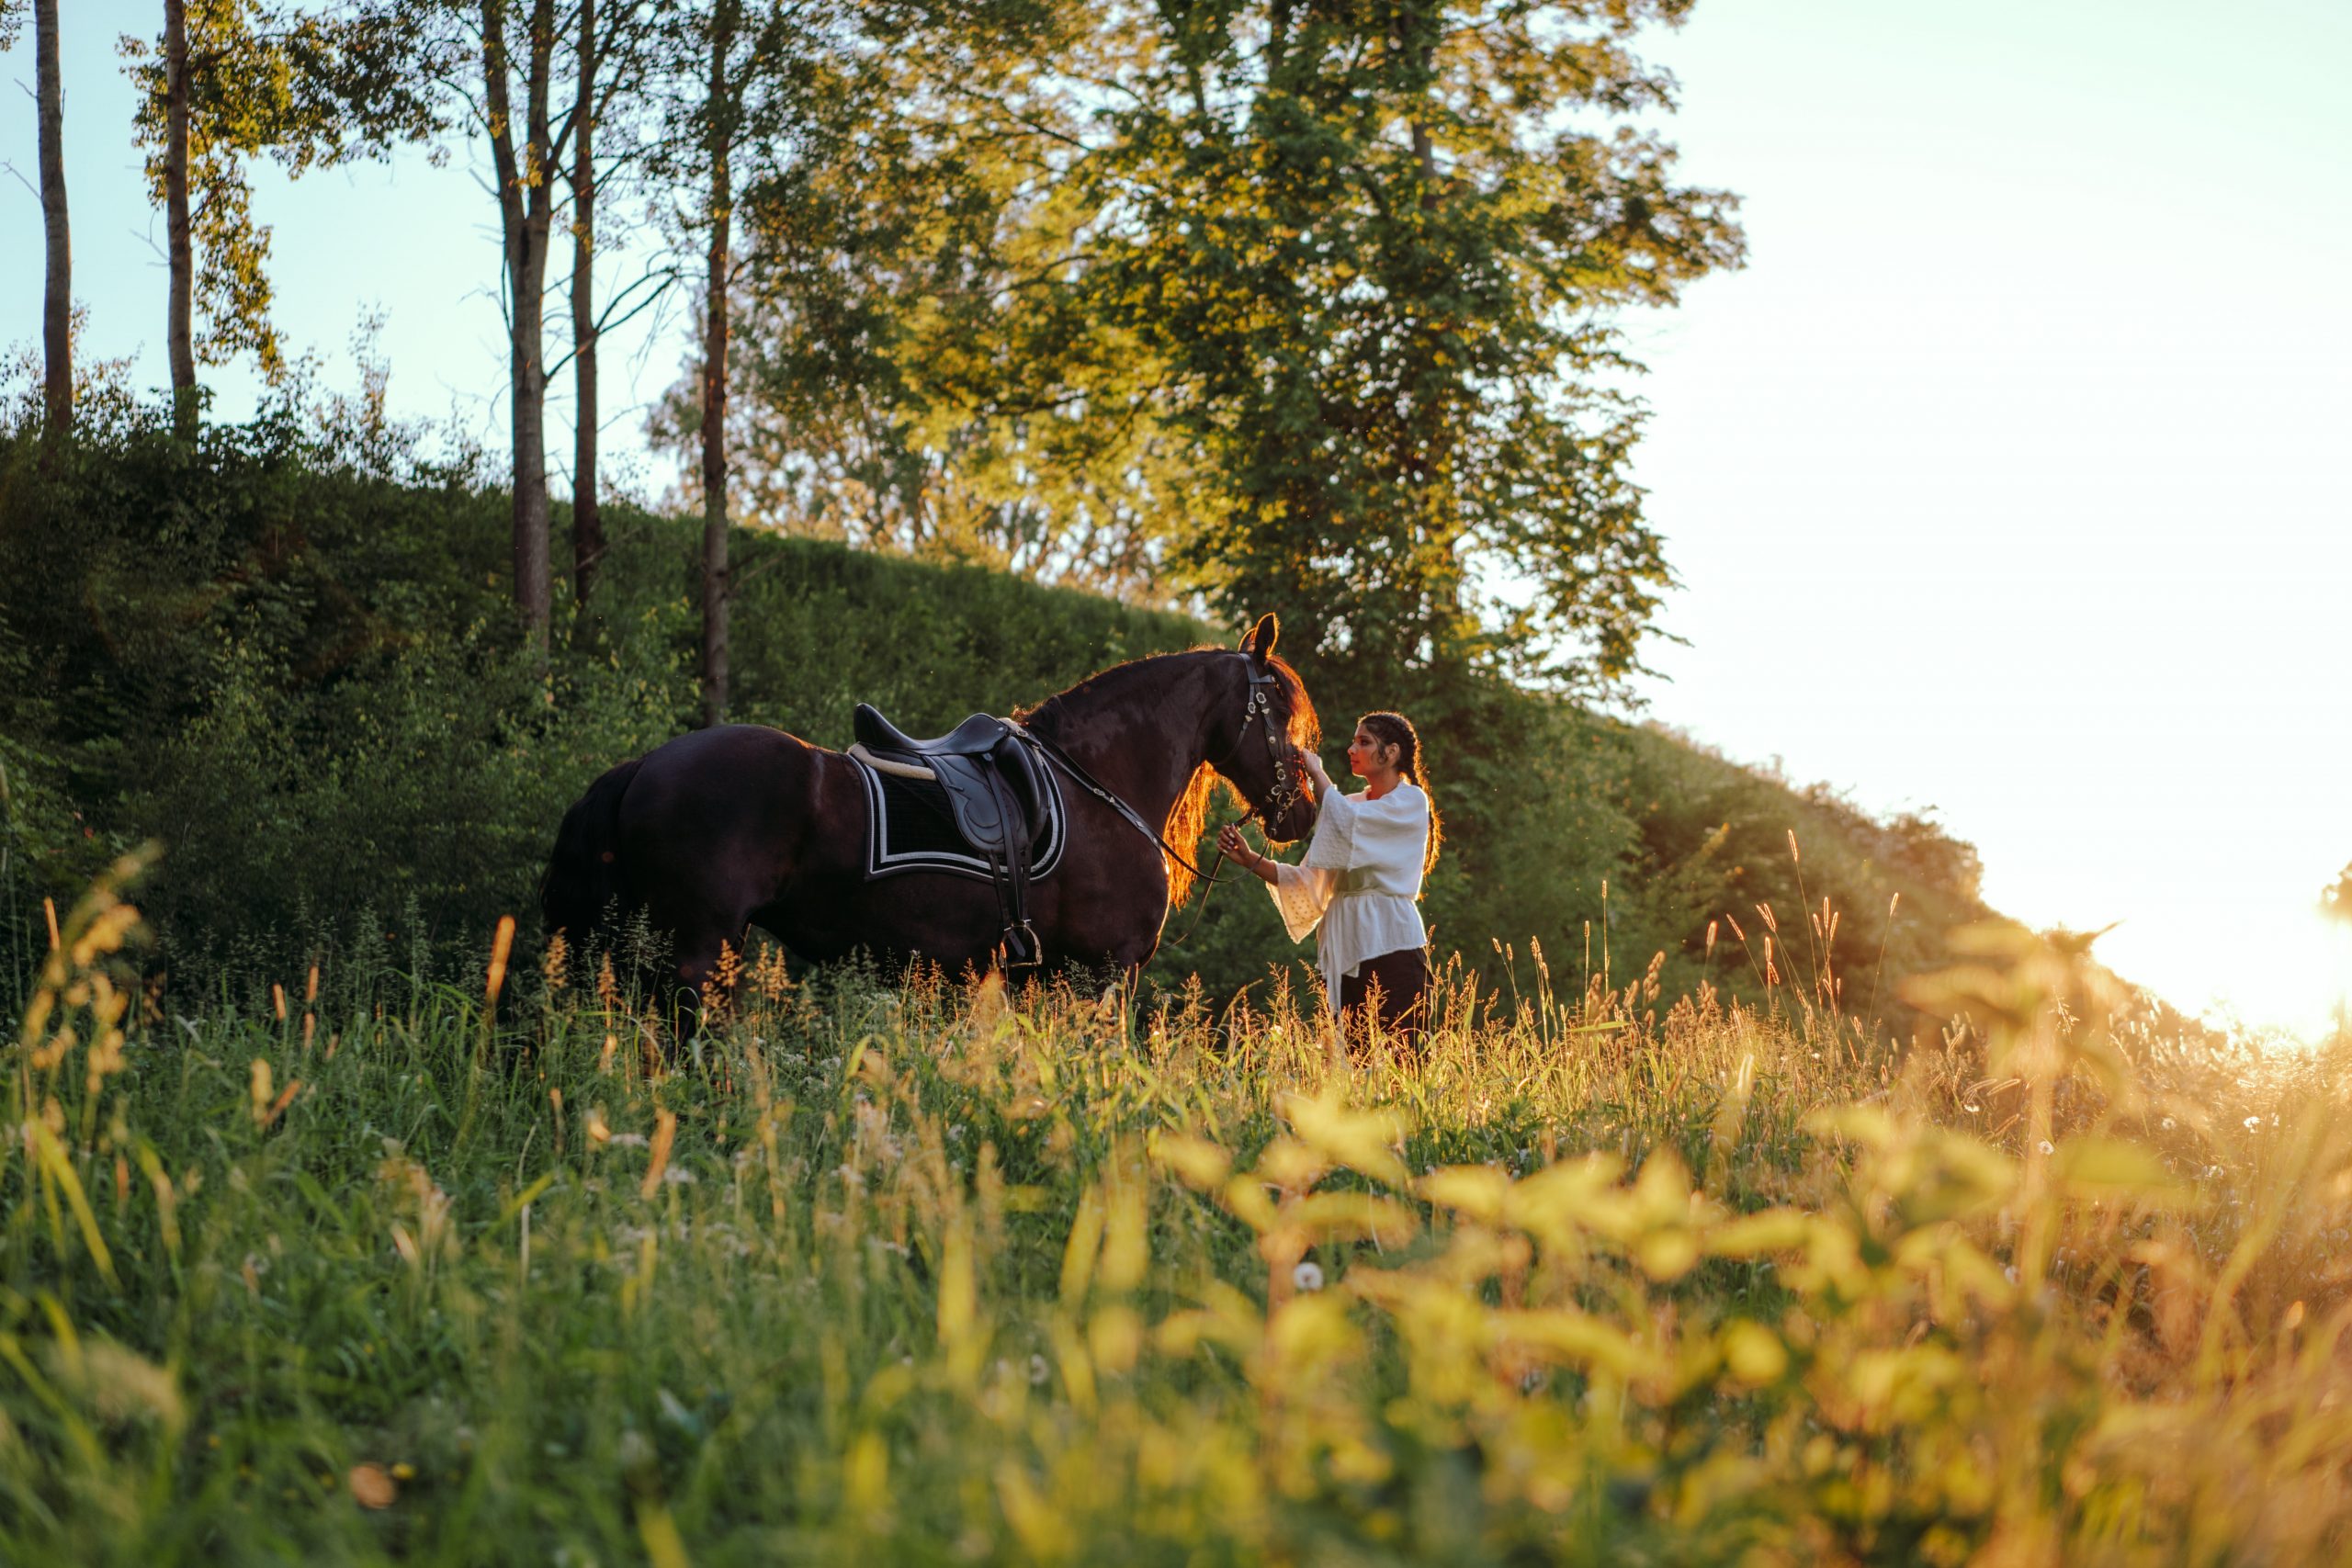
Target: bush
x=286, y=653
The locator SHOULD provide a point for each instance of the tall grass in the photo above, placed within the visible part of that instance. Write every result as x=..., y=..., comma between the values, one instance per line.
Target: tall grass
x=941, y=1273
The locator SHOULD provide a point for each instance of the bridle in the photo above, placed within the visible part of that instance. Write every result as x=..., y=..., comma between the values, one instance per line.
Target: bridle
x=1285, y=793
x=1279, y=800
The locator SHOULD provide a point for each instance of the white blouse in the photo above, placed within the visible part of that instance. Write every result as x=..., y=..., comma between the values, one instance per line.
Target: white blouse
x=1359, y=881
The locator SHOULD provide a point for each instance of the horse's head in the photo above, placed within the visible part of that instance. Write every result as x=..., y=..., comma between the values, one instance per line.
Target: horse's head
x=1273, y=720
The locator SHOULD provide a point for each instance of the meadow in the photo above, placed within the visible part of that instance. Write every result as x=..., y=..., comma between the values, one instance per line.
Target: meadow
x=364, y=1267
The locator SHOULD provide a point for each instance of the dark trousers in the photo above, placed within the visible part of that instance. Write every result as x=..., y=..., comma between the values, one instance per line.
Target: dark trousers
x=1403, y=980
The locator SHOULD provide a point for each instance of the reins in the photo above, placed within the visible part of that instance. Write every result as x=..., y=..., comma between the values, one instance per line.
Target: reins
x=1284, y=793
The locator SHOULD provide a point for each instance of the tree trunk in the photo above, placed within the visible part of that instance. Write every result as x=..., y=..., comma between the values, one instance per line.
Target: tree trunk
x=587, y=522
x=57, y=300
x=714, y=379
x=525, y=205
x=180, y=331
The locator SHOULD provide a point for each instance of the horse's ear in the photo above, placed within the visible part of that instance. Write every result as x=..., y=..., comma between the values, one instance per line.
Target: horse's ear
x=1260, y=644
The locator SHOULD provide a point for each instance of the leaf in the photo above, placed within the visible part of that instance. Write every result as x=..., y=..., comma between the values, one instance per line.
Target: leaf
x=1347, y=1216
x=1361, y=1140
x=1564, y=1335
x=2110, y=1168
x=1201, y=1165
x=1750, y=1236
x=1478, y=1191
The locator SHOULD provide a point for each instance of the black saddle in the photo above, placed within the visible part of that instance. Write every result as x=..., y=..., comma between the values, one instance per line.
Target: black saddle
x=994, y=787
x=976, y=737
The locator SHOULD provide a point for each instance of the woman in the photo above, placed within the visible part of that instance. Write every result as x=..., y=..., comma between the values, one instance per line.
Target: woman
x=1362, y=876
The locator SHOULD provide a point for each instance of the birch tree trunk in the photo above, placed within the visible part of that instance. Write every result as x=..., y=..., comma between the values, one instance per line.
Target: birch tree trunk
x=57, y=299
x=180, y=331
x=587, y=521
x=714, y=376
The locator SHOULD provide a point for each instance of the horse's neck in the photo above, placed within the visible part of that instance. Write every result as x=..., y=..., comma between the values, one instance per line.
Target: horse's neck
x=1143, y=749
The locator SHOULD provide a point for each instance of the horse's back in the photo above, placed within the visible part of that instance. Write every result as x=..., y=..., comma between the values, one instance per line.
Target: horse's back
x=722, y=781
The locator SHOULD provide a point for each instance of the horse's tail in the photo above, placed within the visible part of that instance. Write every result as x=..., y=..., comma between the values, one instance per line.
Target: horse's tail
x=582, y=880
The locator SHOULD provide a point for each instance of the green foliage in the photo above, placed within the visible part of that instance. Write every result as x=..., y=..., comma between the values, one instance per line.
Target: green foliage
x=1303, y=308
x=264, y=80
x=1373, y=253
x=283, y=655
x=934, y=1275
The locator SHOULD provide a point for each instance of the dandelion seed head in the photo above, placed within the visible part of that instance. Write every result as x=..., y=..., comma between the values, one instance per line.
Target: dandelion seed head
x=1307, y=1276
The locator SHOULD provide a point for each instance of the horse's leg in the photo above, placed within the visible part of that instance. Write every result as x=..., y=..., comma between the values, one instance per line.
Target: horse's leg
x=714, y=824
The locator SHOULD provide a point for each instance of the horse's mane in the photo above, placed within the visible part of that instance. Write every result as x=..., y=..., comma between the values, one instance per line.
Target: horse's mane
x=1190, y=814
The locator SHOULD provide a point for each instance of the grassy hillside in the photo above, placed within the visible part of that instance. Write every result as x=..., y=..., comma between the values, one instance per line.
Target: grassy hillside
x=290, y=667
x=939, y=1276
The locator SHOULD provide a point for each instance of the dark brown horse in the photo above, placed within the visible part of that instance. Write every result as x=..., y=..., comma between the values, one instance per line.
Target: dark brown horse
x=741, y=824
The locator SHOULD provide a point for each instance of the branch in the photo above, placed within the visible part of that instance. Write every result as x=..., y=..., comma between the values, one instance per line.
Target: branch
x=608, y=323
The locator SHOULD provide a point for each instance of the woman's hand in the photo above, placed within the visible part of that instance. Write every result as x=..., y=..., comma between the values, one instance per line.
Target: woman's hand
x=1235, y=848
x=1312, y=766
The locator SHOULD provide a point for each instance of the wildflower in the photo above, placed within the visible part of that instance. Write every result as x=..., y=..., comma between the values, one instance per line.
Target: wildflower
x=1972, y=1110
x=370, y=1487
x=678, y=1176
x=1038, y=1371
x=2169, y=1123
x=2046, y=1148
x=1307, y=1276
x=2252, y=1123
x=2010, y=1273
x=629, y=1140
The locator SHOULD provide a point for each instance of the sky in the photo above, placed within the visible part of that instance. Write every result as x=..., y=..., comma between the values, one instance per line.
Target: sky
x=2007, y=477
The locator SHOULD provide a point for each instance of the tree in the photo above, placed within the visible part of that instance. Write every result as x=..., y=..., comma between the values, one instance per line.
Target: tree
x=611, y=50
x=1376, y=253
x=461, y=53
x=180, y=333
x=722, y=117
x=229, y=80
x=898, y=376
x=465, y=56
x=525, y=171
x=587, y=518
x=1288, y=303
x=737, y=75
x=57, y=296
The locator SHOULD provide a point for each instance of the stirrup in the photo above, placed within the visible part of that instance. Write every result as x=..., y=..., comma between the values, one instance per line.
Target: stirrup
x=1021, y=947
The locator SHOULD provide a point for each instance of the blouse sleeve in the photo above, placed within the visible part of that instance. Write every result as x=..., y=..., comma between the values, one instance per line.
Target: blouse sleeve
x=1302, y=893
x=1333, y=846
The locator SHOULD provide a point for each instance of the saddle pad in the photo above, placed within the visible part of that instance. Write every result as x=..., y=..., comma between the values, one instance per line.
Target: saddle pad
x=911, y=827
